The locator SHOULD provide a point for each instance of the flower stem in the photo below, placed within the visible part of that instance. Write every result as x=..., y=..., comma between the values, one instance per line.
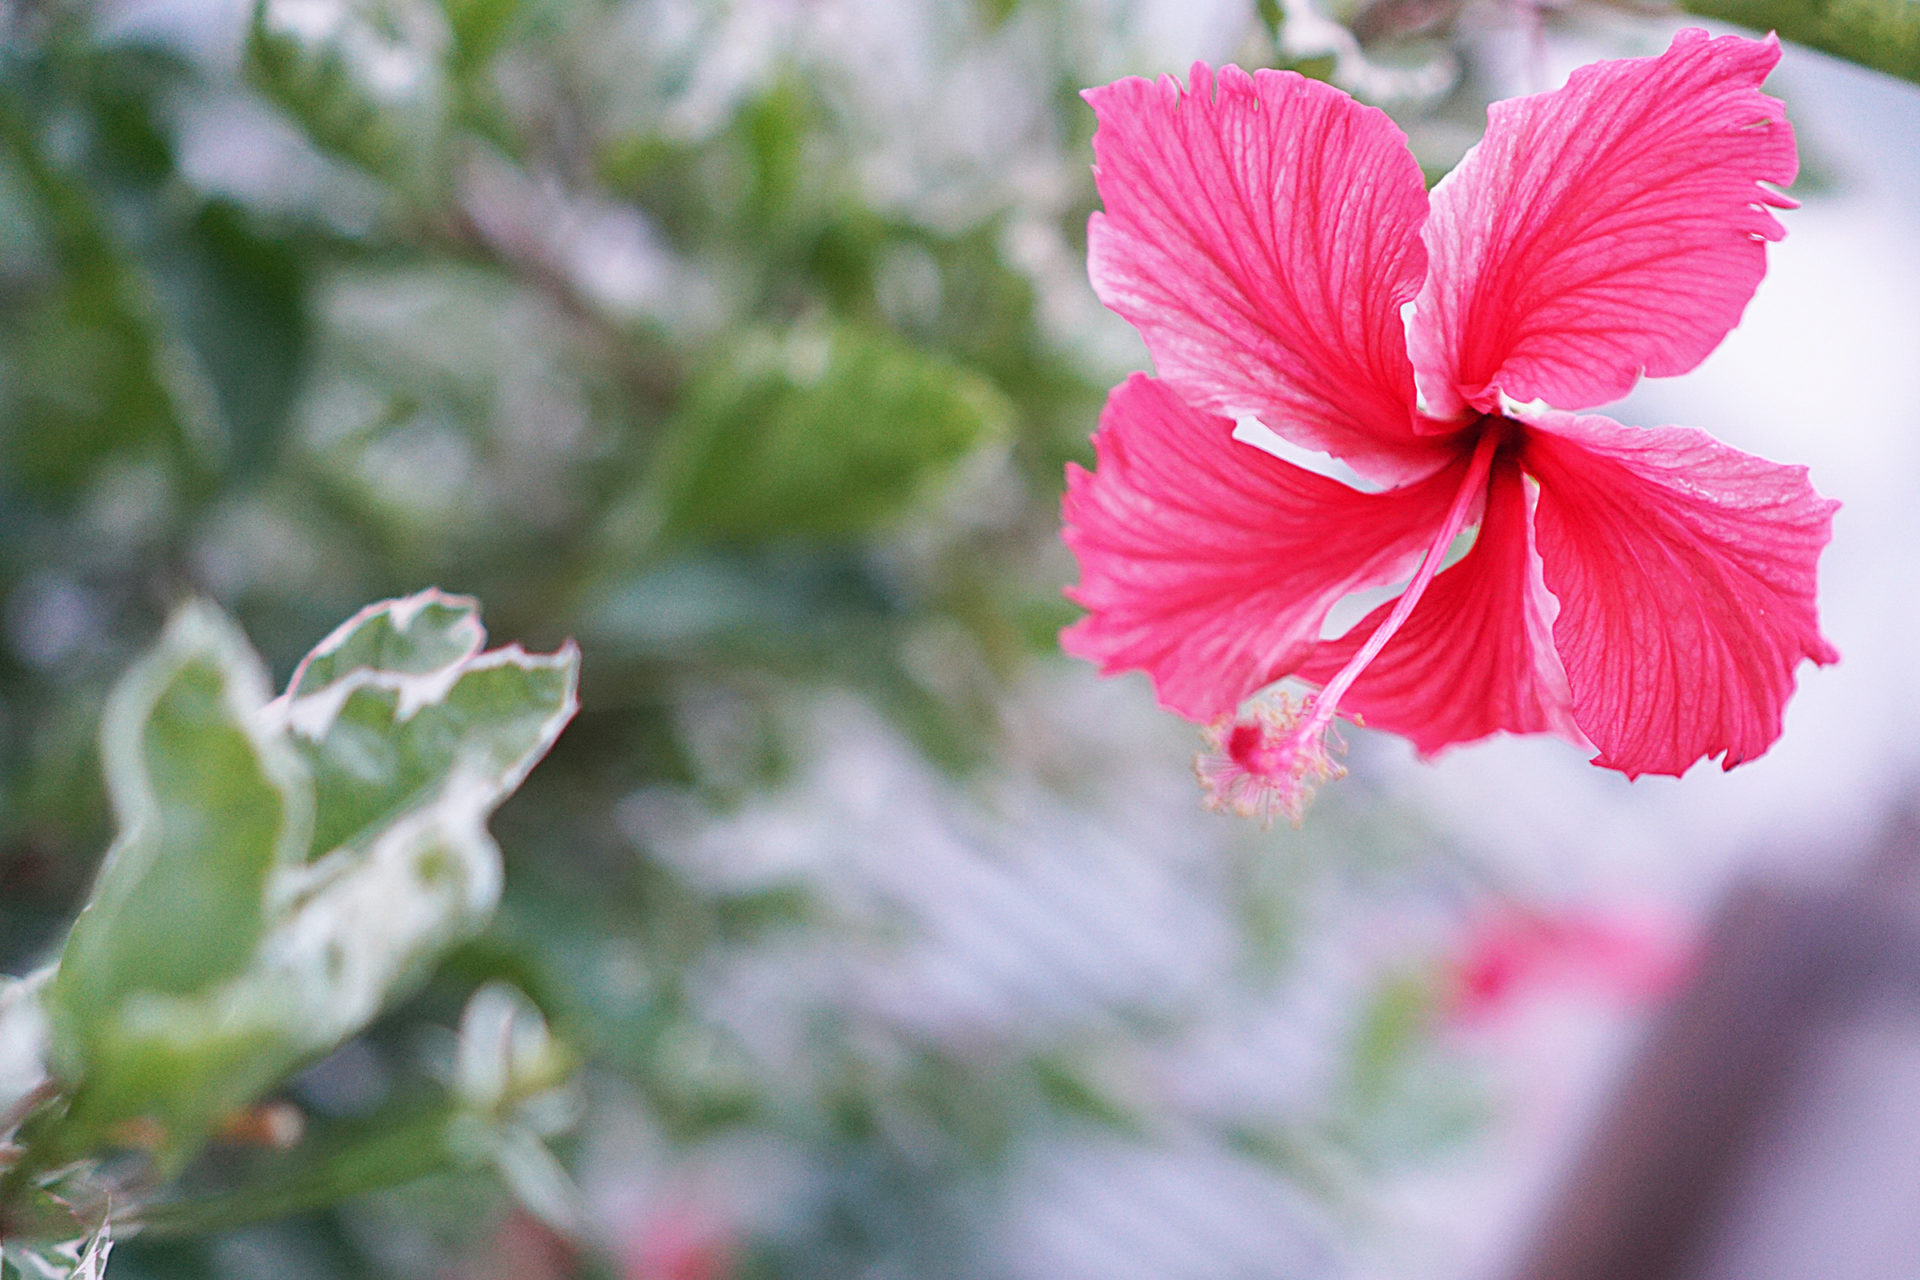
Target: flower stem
x=1472, y=485
x=1272, y=756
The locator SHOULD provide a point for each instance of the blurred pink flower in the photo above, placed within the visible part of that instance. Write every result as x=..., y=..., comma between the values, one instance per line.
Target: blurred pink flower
x=1643, y=592
x=680, y=1242
x=1509, y=952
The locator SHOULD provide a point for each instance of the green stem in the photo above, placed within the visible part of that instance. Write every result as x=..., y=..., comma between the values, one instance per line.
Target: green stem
x=390, y=1154
x=1881, y=34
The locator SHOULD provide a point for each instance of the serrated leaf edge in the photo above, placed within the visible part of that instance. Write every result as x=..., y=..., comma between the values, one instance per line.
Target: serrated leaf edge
x=313, y=715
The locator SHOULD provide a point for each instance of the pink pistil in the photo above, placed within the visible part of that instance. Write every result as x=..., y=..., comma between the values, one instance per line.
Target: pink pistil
x=1273, y=756
x=1258, y=765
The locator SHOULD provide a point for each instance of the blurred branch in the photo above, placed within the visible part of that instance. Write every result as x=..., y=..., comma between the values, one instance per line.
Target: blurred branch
x=1387, y=20
x=1881, y=34
x=490, y=235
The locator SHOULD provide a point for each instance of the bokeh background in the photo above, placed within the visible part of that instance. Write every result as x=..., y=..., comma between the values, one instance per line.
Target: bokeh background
x=745, y=341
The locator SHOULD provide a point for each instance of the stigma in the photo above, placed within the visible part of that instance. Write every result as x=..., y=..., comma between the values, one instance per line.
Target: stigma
x=1270, y=759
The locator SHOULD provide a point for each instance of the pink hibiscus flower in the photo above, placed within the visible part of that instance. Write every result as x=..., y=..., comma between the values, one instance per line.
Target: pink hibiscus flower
x=1645, y=593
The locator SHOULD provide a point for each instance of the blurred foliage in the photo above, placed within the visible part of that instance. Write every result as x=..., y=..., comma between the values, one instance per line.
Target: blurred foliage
x=743, y=347
x=361, y=297
x=743, y=462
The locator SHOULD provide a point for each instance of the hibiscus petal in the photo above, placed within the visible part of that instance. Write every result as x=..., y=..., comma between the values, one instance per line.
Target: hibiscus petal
x=1615, y=225
x=1210, y=564
x=1262, y=233
x=1476, y=655
x=1685, y=574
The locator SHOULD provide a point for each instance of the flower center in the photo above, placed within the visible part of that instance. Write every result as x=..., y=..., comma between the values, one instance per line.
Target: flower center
x=1272, y=758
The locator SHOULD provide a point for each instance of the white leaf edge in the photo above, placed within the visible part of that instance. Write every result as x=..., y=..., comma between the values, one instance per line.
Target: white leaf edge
x=311, y=716
x=196, y=632
x=403, y=612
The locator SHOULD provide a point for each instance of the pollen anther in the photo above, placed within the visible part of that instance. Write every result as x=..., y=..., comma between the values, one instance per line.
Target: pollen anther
x=1269, y=759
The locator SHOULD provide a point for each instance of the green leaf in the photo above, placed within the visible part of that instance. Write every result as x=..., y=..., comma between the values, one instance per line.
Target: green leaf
x=1394, y=1024
x=1882, y=34
x=480, y=27
x=238, y=293
x=361, y=90
x=393, y=705
x=821, y=436
x=413, y=735
x=210, y=802
x=367, y=922
x=400, y=738
x=95, y=368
